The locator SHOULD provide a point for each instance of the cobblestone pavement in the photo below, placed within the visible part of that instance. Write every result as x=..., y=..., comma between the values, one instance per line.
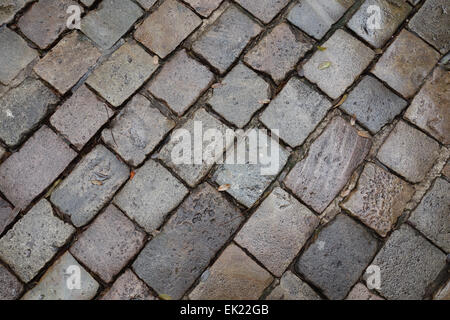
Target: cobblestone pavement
x=359, y=209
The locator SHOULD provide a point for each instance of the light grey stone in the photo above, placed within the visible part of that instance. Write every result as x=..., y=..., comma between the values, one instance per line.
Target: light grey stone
x=292, y=288
x=10, y=286
x=128, y=287
x=7, y=214
x=264, y=10
x=9, y=8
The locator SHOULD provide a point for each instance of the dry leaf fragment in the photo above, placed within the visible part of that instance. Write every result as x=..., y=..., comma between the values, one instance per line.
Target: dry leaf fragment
x=217, y=85
x=224, y=187
x=324, y=65
x=378, y=51
x=353, y=120
x=155, y=60
x=96, y=182
x=265, y=101
x=49, y=192
x=364, y=134
x=321, y=48
x=341, y=102
x=165, y=297
x=132, y=174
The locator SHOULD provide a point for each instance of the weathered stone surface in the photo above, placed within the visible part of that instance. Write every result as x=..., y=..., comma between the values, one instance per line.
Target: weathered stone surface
x=432, y=24
x=67, y=62
x=10, y=287
x=34, y=240
x=264, y=10
x=204, y=7
x=175, y=258
x=316, y=17
x=109, y=243
x=338, y=257
x=2, y=153
x=360, y=292
x=430, y=108
x=431, y=217
x=123, y=73
x=128, y=287
x=409, y=152
x=379, y=199
x=392, y=15
x=173, y=22
x=111, y=20
x=292, y=288
x=225, y=40
x=80, y=117
x=15, y=55
x=234, y=276
x=408, y=265
x=373, y=104
x=446, y=170
x=443, y=293
x=27, y=173
x=277, y=231
x=296, y=111
x=181, y=82
x=151, y=195
x=9, y=8
x=54, y=283
x=137, y=130
x=241, y=93
x=279, y=51
x=337, y=67
x=89, y=3
x=146, y=4
x=332, y=158
x=406, y=63
x=90, y=186
x=7, y=214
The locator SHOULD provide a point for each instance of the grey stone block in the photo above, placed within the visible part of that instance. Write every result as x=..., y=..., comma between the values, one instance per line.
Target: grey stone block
x=292, y=288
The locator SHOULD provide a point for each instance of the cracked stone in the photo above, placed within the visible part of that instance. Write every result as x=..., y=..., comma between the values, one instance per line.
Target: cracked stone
x=292, y=288
x=10, y=286
x=360, y=292
x=204, y=7
x=264, y=10
x=128, y=287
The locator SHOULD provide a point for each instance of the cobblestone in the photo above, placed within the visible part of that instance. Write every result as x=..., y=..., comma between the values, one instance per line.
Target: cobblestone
x=128, y=287
x=9, y=8
x=204, y=7
x=7, y=214
x=292, y=288
x=360, y=292
x=10, y=286
x=264, y=10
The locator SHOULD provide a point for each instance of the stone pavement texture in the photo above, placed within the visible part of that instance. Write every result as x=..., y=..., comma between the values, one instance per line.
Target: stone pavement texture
x=89, y=142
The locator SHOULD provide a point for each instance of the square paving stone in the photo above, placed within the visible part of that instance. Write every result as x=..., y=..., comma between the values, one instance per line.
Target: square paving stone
x=360, y=292
x=146, y=4
x=90, y=186
x=430, y=108
x=122, y=74
x=330, y=163
x=432, y=23
x=80, y=117
x=408, y=264
x=67, y=62
x=54, y=284
x=128, y=287
x=27, y=173
x=409, y=152
x=406, y=63
x=279, y=51
x=223, y=42
x=167, y=27
x=240, y=95
x=277, y=231
x=392, y=15
x=316, y=17
x=108, y=244
x=110, y=21
x=373, y=104
x=151, y=195
x=10, y=286
x=292, y=288
x=337, y=67
x=181, y=82
x=234, y=276
x=264, y=10
x=175, y=258
x=9, y=8
x=15, y=54
x=7, y=214
x=204, y=7
x=45, y=21
x=379, y=199
x=431, y=217
x=34, y=240
x=338, y=257
x=296, y=111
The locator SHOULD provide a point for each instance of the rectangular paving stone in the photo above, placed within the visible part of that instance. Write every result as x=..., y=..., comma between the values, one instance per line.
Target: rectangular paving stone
x=264, y=10
x=431, y=217
x=204, y=7
x=27, y=173
x=123, y=73
x=137, y=130
x=379, y=199
x=80, y=117
x=181, y=82
x=279, y=51
x=406, y=63
x=240, y=95
x=128, y=287
x=337, y=67
x=292, y=288
x=408, y=264
x=277, y=231
x=409, y=152
x=110, y=21
x=68, y=61
x=296, y=112
x=108, y=244
x=90, y=186
x=7, y=214
x=10, y=286
x=224, y=41
x=430, y=108
x=151, y=195
x=234, y=276
x=174, y=259
x=54, y=284
x=373, y=104
x=146, y=4
x=331, y=160
x=360, y=292
x=34, y=240
x=338, y=257
x=167, y=27
x=9, y=8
